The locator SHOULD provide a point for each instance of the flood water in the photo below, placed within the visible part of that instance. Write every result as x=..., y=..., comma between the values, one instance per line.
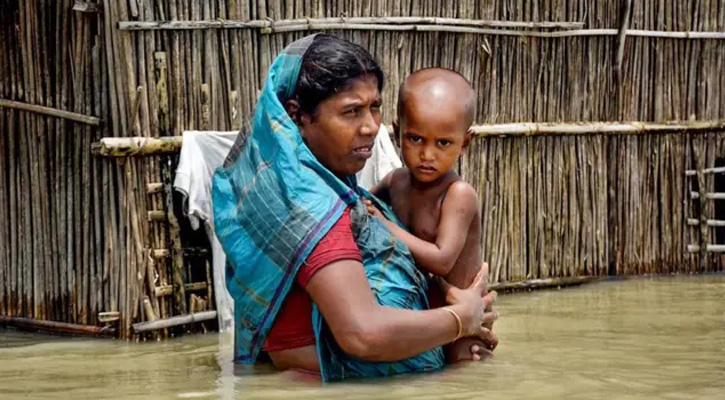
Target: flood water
x=645, y=338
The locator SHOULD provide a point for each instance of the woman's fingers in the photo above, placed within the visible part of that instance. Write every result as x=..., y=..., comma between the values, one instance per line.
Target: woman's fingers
x=489, y=299
x=489, y=318
x=444, y=285
x=487, y=336
x=479, y=282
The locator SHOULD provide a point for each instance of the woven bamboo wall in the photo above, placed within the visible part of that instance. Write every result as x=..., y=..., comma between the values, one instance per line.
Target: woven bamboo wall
x=76, y=238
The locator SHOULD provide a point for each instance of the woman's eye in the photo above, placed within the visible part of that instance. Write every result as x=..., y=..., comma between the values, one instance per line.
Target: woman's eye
x=353, y=112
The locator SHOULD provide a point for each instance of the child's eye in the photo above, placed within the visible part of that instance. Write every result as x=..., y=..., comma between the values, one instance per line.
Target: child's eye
x=414, y=138
x=444, y=143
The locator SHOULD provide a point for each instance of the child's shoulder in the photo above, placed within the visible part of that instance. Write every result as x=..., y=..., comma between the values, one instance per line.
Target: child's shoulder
x=396, y=177
x=462, y=193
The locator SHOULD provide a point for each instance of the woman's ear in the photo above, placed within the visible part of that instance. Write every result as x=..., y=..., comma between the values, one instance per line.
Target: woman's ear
x=397, y=140
x=293, y=110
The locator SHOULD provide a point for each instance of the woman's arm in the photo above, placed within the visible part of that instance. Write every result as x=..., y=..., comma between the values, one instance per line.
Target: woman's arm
x=372, y=332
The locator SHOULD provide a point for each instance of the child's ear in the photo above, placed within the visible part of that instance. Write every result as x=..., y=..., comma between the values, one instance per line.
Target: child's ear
x=467, y=140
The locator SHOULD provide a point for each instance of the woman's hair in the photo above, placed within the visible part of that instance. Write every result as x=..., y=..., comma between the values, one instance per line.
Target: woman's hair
x=329, y=65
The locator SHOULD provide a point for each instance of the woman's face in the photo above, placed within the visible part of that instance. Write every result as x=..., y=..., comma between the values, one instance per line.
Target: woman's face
x=341, y=133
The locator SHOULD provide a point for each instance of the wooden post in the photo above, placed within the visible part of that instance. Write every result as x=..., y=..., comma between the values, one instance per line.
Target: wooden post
x=177, y=256
x=699, y=160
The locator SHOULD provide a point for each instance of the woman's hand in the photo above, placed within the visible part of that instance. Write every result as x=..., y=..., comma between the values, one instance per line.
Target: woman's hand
x=474, y=306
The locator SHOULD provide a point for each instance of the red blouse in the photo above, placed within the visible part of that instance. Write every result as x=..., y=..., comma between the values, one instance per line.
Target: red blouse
x=292, y=327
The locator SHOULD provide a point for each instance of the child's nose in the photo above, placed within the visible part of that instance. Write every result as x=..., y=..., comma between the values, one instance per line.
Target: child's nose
x=427, y=154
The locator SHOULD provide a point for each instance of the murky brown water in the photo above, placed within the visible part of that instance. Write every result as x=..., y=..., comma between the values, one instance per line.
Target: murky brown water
x=660, y=338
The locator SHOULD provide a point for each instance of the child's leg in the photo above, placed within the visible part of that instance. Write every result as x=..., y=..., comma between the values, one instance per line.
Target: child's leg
x=460, y=350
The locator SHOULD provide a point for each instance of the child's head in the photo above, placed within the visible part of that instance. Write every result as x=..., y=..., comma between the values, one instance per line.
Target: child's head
x=435, y=113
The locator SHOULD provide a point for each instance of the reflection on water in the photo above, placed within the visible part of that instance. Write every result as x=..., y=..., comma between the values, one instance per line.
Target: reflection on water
x=661, y=338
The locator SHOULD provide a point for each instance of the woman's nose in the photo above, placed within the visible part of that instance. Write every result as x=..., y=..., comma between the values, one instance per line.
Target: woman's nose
x=370, y=125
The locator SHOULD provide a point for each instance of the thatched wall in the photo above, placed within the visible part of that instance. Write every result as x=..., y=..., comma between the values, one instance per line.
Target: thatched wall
x=75, y=239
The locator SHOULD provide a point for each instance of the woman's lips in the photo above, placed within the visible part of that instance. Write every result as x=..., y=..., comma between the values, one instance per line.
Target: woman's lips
x=363, y=151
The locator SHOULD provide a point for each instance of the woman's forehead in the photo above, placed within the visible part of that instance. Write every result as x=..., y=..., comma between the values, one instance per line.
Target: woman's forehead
x=360, y=90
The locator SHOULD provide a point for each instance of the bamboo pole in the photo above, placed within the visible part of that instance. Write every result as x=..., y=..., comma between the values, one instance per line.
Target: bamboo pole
x=710, y=222
x=706, y=171
x=303, y=25
x=621, y=41
x=168, y=290
x=174, y=321
x=260, y=24
x=133, y=146
x=56, y=327
x=138, y=146
x=177, y=257
x=535, y=284
x=86, y=119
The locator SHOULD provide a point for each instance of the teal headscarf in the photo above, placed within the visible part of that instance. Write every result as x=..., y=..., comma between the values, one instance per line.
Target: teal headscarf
x=273, y=202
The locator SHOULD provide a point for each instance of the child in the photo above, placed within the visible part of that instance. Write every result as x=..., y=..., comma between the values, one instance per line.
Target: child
x=435, y=112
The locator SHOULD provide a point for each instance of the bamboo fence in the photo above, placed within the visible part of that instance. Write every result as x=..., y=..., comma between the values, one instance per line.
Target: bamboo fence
x=80, y=246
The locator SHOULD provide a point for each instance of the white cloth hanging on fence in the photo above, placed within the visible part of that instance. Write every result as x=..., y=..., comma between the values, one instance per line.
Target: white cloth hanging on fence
x=201, y=154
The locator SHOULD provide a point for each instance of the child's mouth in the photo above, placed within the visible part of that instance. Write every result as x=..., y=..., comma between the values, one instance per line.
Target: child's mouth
x=426, y=169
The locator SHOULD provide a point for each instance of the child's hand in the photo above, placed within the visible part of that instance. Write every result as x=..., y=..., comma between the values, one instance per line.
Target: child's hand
x=373, y=210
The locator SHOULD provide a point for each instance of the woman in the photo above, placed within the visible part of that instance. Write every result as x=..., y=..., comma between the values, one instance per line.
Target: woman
x=317, y=282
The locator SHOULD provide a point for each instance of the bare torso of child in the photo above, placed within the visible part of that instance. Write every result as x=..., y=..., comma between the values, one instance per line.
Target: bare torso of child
x=419, y=209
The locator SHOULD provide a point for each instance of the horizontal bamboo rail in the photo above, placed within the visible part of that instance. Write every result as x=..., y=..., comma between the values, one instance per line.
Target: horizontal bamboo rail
x=372, y=24
x=156, y=216
x=267, y=24
x=136, y=146
x=708, y=196
x=168, y=290
x=142, y=146
x=188, y=252
x=707, y=171
x=109, y=316
x=53, y=112
x=154, y=188
x=174, y=321
x=85, y=7
x=710, y=248
x=56, y=327
x=710, y=222
x=584, y=128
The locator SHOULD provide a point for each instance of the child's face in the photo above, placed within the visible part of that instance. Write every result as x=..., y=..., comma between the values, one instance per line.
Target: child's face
x=432, y=139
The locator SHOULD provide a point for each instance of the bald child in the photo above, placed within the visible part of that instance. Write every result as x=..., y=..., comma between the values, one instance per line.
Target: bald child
x=435, y=112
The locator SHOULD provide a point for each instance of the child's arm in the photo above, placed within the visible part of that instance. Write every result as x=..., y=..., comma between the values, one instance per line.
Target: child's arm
x=457, y=212
x=382, y=189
